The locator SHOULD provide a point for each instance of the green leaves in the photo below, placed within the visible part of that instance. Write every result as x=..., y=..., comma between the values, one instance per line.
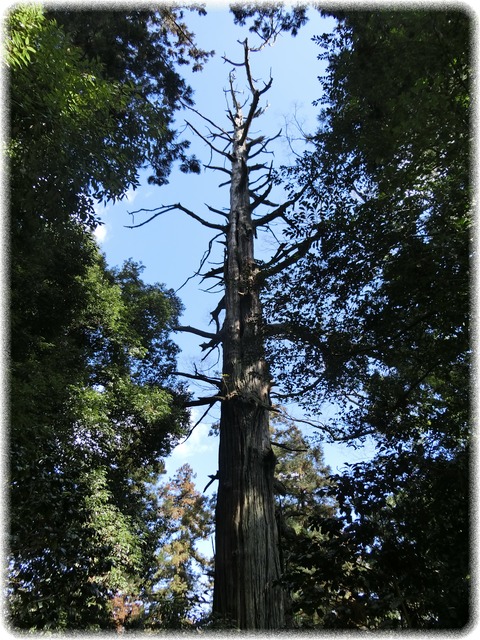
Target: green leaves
x=88, y=432
x=180, y=588
x=379, y=314
x=19, y=49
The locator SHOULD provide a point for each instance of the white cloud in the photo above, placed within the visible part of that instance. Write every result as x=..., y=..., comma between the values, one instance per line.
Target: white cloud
x=101, y=233
x=200, y=452
x=198, y=443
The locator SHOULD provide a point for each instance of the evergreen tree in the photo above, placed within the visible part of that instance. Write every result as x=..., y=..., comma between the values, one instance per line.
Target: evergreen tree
x=381, y=312
x=177, y=594
x=300, y=481
x=182, y=586
x=82, y=519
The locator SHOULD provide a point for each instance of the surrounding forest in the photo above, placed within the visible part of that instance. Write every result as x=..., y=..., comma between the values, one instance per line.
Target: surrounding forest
x=363, y=306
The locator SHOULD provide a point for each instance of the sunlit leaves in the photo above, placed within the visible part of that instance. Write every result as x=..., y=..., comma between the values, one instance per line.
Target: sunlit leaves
x=81, y=460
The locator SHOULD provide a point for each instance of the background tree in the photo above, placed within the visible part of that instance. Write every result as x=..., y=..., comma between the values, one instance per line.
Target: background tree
x=301, y=478
x=177, y=594
x=83, y=519
x=181, y=595
x=392, y=225
x=93, y=407
x=381, y=313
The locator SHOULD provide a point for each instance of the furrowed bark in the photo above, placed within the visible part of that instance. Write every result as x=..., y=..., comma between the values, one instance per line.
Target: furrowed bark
x=247, y=566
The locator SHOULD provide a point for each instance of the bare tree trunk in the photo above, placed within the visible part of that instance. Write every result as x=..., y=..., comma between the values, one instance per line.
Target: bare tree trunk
x=247, y=591
x=247, y=566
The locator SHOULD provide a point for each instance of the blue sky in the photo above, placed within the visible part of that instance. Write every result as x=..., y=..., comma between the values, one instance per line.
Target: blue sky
x=172, y=245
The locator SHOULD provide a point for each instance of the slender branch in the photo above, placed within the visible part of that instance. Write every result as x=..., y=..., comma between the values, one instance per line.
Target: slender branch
x=216, y=168
x=265, y=144
x=284, y=446
x=213, y=478
x=200, y=377
x=213, y=210
x=214, y=338
x=261, y=198
x=299, y=251
x=210, y=225
x=296, y=331
x=202, y=262
x=213, y=273
x=199, y=402
x=256, y=167
x=267, y=179
x=280, y=211
x=248, y=71
x=236, y=104
x=207, y=141
x=172, y=207
x=331, y=432
x=197, y=332
x=210, y=122
x=197, y=423
x=216, y=312
x=234, y=64
x=300, y=392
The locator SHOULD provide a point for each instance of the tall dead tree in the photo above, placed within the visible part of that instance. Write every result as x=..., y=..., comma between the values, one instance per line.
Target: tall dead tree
x=247, y=591
x=247, y=567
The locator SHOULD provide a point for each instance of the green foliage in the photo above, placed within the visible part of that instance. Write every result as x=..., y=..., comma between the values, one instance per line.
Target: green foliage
x=381, y=316
x=301, y=479
x=270, y=20
x=64, y=144
x=86, y=115
x=93, y=409
x=397, y=557
x=140, y=51
x=89, y=428
x=178, y=594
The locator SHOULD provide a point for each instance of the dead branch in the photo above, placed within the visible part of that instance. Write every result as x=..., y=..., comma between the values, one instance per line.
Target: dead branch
x=197, y=332
x=284, y=446
x=261, y=198
x=216, y=312
x=200, y=377
x=296, y=253
x=265, y=144
x=222, y=131
x=321, y=426
x=207, y=141
x=217, y=168
x=300, y=392
x=199, y=402
x=202, y=262
x=172, y=207
x=280, y=211
x=213, y=273
x=213, y=210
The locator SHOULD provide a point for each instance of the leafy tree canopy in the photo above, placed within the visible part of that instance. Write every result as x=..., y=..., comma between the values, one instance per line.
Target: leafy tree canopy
x=381, y=316
x=102, y=105
x=93, y=409
x=92, y=419
x=388, y=328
